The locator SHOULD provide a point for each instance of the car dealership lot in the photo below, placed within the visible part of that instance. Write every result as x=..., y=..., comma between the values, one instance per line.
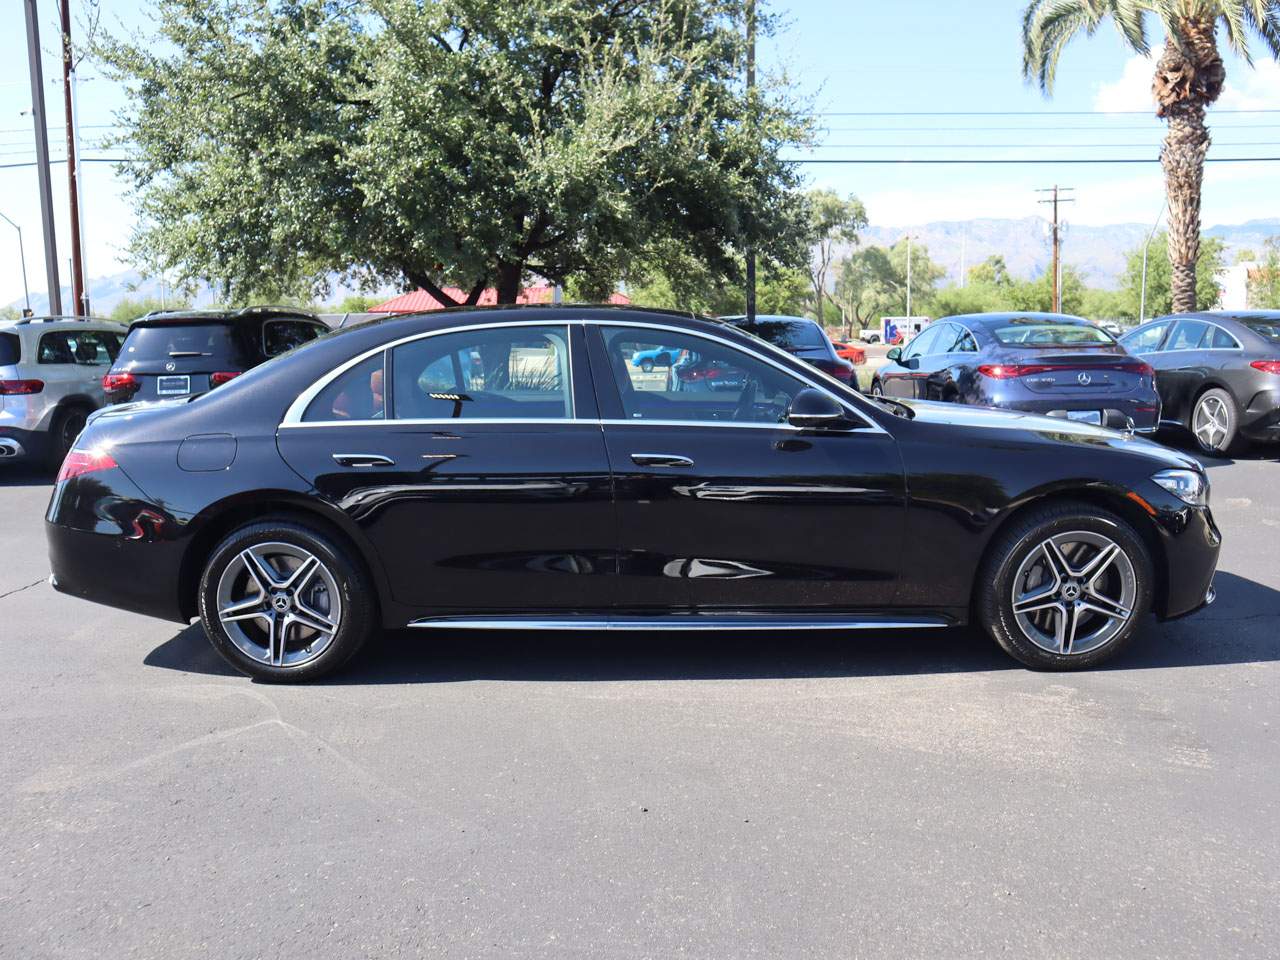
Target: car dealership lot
x=527, y=795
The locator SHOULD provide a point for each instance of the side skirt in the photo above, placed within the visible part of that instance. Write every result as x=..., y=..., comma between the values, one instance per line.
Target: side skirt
x=686, y=622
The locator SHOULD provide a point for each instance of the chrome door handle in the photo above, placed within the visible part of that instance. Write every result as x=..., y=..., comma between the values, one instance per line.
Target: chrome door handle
x=363, y=460
x=660, y=460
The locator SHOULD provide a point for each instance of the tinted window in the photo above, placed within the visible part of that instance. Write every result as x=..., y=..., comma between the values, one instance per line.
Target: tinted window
x=1032, y=332
x=203, y=343
x=709, y=382
x=10, y=349
x=355, y=395
x=1145, y=339
x=87, y=347
x=1219, y=339
x=787, y=334
x=508, y=373
x=923, y=344
x=1268, y=327
x=1188, y=335
x=281, y=336
x=953, y=339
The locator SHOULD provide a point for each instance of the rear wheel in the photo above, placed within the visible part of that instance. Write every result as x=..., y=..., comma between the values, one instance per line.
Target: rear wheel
x=1066, y=587
x=281, y=603
x=68, y=424
x=876, y=389
x=1214, y=422
x=646, y=365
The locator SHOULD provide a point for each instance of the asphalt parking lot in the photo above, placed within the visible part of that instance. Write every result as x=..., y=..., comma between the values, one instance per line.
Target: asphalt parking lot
x=719, y=797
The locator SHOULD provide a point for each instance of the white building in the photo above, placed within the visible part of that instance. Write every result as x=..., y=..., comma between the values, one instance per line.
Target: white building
x=1233, y=286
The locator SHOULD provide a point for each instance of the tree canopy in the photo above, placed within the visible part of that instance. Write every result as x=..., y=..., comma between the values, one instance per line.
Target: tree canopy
x=1160, y=277
x=467, y=143
x=833, y=220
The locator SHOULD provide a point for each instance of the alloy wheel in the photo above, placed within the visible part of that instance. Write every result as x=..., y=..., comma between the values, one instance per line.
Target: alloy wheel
x=279, y=604
x=1074, y=592
x=1211, y=422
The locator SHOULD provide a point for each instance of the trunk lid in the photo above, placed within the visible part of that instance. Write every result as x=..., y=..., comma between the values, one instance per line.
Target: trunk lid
x=1080, y=373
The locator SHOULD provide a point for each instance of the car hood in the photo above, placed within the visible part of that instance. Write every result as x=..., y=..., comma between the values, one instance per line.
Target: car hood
x=1050, y=429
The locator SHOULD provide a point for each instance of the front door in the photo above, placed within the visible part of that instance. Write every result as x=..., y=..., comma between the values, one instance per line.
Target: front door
x=906, y=376
x=722, y=505
x=475, y=466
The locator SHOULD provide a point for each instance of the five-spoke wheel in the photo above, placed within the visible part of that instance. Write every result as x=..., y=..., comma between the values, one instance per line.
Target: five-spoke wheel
x=1213, y=422
x=281, y=601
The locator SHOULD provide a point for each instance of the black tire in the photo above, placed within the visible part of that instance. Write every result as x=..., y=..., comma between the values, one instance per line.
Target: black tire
x=1218, y=433
x=646, y=365
x=357, y=608
x=1019, y=543
x=876, y=389
x=68, y=424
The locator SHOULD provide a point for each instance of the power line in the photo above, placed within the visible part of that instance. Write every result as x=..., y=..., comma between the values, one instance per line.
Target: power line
x=1006, y=113
x=1018, y=146
x=980, y=161
x=1023, y=128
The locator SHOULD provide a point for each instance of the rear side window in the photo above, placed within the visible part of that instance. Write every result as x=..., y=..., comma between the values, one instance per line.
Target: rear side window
x=281, y=336
x=10, y=349
x=191, y=346
x=1188, y=335
x=354, y=395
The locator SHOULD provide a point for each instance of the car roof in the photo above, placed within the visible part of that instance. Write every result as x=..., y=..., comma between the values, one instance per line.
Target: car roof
x=229, y=317
x=47, y=324
x=1237, y=315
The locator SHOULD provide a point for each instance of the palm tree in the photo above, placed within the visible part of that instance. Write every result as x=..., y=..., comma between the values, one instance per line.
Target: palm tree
x=1188, y=78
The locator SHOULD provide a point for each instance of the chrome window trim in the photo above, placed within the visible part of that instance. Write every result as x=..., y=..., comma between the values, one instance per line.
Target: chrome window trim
x=293, y=416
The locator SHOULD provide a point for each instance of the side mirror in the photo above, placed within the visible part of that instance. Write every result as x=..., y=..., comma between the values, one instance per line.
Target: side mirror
x=814, y=410
x=895, y=354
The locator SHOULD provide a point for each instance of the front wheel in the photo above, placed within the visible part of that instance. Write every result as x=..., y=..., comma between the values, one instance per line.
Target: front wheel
x=281, y=603
x=646, y=366
x=1066, y=587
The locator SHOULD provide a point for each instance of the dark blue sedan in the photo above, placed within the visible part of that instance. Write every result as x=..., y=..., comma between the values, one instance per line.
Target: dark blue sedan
x=1046, y=363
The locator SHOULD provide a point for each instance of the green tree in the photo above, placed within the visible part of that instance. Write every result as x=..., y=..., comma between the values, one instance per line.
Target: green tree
x=462, y=142
x=1099, y=304
x=872, y=282
x=131, y=308
x=1160, y=278
x=358, y=303
x=1264, y=279
x=992, y=271
x=833, y=220
x=1037, y=294
x=1189, y=77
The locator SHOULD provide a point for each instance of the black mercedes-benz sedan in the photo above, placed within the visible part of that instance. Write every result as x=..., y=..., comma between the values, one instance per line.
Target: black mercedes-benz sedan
x=509, y=468
x=1218, y=374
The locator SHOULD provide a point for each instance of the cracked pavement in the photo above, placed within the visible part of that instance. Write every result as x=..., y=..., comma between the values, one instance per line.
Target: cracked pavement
x=719, y=797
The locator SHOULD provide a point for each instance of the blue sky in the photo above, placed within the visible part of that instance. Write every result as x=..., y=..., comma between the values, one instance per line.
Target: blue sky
x=845, y=57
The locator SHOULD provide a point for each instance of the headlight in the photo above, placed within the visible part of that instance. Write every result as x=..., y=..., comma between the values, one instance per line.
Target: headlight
x=1189, y=486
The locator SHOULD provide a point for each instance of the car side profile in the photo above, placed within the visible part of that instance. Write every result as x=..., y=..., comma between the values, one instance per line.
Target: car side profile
x=1218, y=374
x=50, y=381
x=189, y=352
x=379, y=477
x=1045, y=363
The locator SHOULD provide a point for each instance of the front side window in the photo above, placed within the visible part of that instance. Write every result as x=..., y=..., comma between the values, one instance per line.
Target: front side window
x=709, y=382
x=1145, y=340
x=923, y=344
x=504, y=373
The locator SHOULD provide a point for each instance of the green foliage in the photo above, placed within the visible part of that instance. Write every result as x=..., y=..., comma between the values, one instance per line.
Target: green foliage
x=10, y=313
x=1097, y=304
x=872, y=282
x=993, y=272
x=1264, y=280
x=832, y=220
x=461, y=142
x=1160, y=277
x=783, y=291
x=358, y=303
x=130, y=308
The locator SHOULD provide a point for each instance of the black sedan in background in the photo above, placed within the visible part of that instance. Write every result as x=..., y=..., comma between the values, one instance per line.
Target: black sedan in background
x=1047, y=363
x=510, y=469
x=1218, y=374
x=188, y=352
x=800, y=337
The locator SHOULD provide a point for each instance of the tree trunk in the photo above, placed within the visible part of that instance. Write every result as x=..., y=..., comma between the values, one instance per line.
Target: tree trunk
x=508, y=282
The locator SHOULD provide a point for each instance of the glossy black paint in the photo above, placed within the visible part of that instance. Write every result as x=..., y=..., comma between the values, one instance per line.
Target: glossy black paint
x=1187, y=365
x=881, y=515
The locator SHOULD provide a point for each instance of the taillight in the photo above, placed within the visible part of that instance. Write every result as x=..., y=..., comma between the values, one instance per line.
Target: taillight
x=222, y=376
x=78, y=462
x=1001, y=371
x=1267, y=366
x=10, y=388
x=120, y=383
x=704, y=373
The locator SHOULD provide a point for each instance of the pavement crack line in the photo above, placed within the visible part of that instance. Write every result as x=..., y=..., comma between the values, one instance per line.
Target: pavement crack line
x=28, y=586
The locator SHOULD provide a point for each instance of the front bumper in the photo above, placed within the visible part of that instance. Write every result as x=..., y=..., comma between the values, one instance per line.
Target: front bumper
x=1191, y=543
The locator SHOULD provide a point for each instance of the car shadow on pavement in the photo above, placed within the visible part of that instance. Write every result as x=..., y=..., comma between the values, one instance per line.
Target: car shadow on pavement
x=1241, y=627
x=24, y=475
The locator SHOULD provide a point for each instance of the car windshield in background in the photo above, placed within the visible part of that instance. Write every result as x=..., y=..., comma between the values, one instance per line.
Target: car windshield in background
x=206, y=341
x=1038, y=333
x=1268, y=327
x=787, y=334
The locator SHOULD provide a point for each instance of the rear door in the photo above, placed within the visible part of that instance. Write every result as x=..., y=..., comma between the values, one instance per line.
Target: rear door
x=71, y=363
x=1181, y=367
x=473, y=461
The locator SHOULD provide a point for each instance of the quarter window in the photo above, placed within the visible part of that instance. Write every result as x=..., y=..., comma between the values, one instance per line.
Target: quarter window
x=708, y=382
x=1221, y=340
x=86, y=347
x=356, y=394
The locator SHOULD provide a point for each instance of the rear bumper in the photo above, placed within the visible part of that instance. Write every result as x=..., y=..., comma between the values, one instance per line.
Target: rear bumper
x=23, y=445
x=130, y=574
x=1116, y=411
x=1260, y=420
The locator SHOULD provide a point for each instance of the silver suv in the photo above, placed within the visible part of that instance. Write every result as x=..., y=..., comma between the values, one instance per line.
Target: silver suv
x=50, y=381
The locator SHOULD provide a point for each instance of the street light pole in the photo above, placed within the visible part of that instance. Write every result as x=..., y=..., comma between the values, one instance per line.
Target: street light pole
x=42, y=158
x=1142, y=303
x=908, y=281
x=751, y=84
x=22, y=256
x=73, y=171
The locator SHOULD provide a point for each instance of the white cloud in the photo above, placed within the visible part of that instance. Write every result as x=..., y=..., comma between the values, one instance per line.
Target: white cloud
x=1256, y=88
x=1132, y=91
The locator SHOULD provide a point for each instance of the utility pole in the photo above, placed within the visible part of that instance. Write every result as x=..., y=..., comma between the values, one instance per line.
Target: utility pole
x=751, y=84
x=1057, y=237
x=908, y=281
x=78, y=303
x=42, y=157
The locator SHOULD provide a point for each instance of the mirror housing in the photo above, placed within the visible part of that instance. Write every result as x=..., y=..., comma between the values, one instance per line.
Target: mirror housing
x=894, y=354
x=814, y=409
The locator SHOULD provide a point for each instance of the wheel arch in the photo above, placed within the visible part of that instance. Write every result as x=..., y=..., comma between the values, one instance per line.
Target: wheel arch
x=1107, y=498
x=1211, y=383
x=218, y=520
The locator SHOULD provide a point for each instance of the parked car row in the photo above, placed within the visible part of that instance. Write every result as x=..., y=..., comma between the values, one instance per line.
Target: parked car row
x=1214, y=374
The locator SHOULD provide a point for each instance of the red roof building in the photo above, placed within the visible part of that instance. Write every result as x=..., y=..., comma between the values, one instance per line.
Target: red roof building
x=416, y=301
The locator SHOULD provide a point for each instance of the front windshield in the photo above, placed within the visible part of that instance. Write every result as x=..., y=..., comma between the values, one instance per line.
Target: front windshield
x=1028, y=332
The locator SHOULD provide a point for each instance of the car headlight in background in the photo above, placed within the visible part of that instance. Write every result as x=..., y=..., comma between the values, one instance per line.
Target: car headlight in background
x=1189, y=486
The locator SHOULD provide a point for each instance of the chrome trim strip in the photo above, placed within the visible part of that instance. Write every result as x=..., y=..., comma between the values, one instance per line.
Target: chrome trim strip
x=673, y=622
x=445, y=421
